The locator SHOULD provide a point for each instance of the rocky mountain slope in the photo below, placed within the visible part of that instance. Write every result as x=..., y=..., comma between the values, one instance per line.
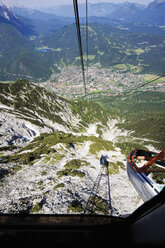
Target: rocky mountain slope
x=50, y=155
x=28, y=110
x=8, y=17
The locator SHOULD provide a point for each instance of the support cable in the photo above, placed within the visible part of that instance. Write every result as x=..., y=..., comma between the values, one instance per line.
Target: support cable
x=87, y=41
x=109, y=193
x=75, y=4
x=91, y=204
x=142, y=85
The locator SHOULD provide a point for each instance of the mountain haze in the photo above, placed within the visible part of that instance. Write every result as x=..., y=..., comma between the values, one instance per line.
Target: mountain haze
x=127, y=12
x=155, y=12
x=8, y=17
x=18, y=57
x=152, y=13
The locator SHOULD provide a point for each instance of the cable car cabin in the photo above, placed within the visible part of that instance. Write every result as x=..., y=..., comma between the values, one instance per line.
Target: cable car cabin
x=138, y=172
x=104, y=161
x=71, y=145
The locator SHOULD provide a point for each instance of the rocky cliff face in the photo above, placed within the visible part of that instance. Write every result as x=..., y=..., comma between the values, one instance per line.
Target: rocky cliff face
x=50, y=151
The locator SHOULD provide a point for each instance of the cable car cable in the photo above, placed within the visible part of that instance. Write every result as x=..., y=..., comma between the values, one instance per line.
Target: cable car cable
x=75, y=4
x=109, y=193
x=142, y=85
x=87, y=41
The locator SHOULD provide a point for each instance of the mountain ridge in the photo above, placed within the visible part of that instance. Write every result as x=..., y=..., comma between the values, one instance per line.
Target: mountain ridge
x=136, y=12
x=155, y=11
x=38, y=111
x=8, y=17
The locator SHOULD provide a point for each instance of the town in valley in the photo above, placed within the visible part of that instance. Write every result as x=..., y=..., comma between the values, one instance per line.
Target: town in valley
x=68, y=82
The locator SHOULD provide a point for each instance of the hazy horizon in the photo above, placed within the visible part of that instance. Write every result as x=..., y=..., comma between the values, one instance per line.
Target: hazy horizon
x=43, y=4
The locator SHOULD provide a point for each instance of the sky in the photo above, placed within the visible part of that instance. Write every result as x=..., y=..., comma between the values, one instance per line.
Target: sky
x=47, y=3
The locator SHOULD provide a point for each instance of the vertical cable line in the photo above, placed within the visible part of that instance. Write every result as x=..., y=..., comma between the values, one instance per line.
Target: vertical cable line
x=75, y=4
x=87, y=41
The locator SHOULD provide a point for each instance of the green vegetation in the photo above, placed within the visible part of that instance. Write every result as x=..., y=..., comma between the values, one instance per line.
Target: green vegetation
x=8, y=148
x=90, y=57
x=24, y=60
x=127, y=68
x=108, y=46
x=89, y=112
x=158, y=177
x=30, y=100
x=99, y=131
x=113, y=168
x=76, y=164
x=60, y=185
x=41, y=147
x=111, y=47
x=99, y=145
x=142, y=112
x=70, y=172
x=127, y=146
x=135, y=52
x=75, y=206
x=71, y=168
x=97, y=204
x=150, y=77
x=36, y=208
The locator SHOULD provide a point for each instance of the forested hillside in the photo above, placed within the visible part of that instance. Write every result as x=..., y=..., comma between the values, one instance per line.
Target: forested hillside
x=18, y=57
x=38, y=58
x=142, y=112
x=109, y=47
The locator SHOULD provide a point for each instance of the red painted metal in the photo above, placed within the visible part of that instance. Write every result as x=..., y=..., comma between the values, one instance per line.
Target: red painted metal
x=152, y=160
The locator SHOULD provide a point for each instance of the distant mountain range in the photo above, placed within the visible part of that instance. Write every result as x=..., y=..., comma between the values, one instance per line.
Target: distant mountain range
x=101, y=9
x=153, y=13
x=29, y=21
x=42, y=22
x=24, y=32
